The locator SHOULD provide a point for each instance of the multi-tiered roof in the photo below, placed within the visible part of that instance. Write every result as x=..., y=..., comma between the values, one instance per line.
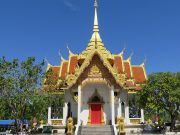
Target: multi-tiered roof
x=124, y=73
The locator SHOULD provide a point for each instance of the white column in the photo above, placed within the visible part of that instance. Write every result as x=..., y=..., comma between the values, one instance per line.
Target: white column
x=112, y=105
x=127, y=110
x=142, y=115
x=65, y=111
x=119, y=107
x=79, y=103
x=127, y=113
x=49, y=115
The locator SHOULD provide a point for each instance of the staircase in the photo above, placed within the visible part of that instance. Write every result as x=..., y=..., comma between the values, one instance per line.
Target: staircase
x=96, y=130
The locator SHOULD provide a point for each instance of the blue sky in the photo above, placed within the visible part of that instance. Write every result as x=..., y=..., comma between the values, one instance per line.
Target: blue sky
x=40, y=28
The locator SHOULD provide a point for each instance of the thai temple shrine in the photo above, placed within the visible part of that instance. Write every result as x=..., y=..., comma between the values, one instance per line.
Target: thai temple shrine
x=98, y=86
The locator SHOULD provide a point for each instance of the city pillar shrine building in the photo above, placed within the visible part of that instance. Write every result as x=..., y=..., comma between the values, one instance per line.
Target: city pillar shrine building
x=98, y=86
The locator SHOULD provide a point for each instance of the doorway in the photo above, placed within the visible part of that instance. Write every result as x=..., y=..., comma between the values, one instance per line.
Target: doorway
x=96, y=113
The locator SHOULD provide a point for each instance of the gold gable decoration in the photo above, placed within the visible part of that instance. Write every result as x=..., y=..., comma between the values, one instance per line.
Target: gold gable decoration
x=76, y=97
x=72, y=79
x=121, y=78
x=95, y=72
x=98, y=46
x=95, y=47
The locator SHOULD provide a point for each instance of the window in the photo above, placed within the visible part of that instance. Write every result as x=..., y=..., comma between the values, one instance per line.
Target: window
x=134, y=111
x=57, y=104
x=122, y=109
x=56, y=112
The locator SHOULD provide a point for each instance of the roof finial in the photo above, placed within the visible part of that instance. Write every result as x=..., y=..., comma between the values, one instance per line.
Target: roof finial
x=122, y=52
x=48, y=64
x=60, y=55
x=46, y=60
x=70, y=53
x=144, y=62
x=95, y=37
x=95, y=4
x=130, y=57
x=96, y=27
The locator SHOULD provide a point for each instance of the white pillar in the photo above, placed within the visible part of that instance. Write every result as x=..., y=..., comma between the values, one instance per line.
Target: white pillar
x=79, y=103
x=112, y=105
x=127, y=113
x=119, y=108
x=65, y=113
x=49, y=115
x=142, y=115
x=127, y=110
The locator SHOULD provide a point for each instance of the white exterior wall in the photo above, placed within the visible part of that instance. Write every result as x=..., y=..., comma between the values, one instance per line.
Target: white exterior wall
x=87, y=92
x=69, y=98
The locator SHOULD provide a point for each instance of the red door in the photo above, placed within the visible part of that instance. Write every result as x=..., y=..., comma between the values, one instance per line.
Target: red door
x=96, y=114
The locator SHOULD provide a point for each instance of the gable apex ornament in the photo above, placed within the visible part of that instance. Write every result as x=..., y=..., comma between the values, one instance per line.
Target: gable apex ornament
x=95, y=72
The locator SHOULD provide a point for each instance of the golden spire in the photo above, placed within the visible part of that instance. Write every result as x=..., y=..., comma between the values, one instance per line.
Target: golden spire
x=95, y=41
x=95, y=37
x=96, y=27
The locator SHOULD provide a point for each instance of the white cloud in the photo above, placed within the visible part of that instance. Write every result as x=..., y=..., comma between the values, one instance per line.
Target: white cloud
x=70, y=5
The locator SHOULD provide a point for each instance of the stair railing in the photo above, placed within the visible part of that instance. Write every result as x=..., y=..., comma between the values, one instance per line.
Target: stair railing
x=77, y=128
x=115, y=129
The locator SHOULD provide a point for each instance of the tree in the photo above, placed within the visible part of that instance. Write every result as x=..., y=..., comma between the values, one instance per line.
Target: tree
x=53, y=86
x=26, y=91
x=162, y=93
x=19, y=83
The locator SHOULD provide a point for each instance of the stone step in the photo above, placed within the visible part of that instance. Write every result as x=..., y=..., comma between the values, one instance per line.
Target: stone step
x=96, y=130
x=96, y=134
x=86, y=131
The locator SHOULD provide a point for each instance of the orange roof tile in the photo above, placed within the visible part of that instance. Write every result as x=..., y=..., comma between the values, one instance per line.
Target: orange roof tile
x=139, y=74
x=55, y=70
x=64, y=69
x=53, y=75
x=127, y=69
x=73, y=63
x=118, y=63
